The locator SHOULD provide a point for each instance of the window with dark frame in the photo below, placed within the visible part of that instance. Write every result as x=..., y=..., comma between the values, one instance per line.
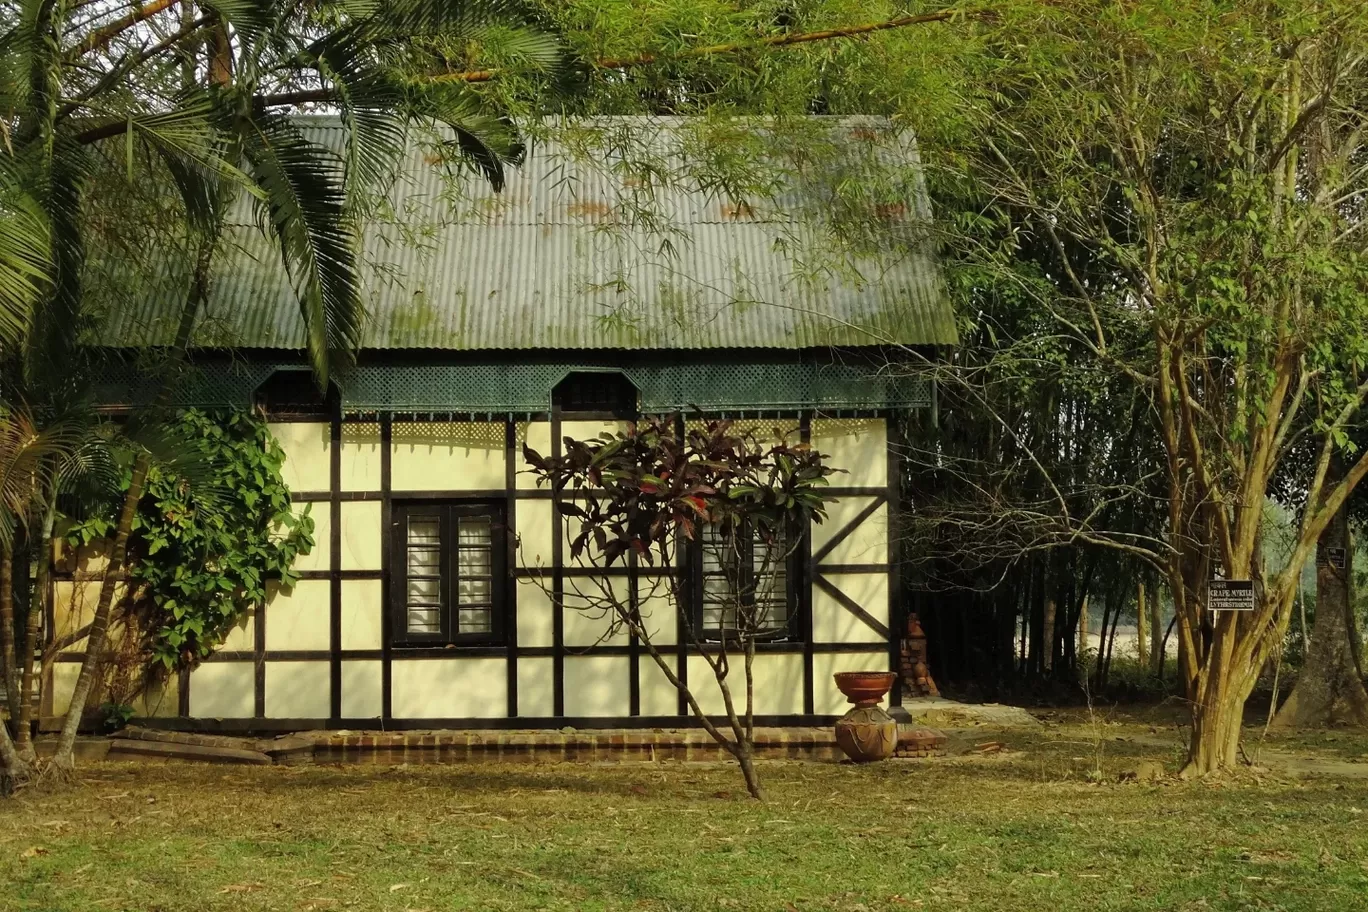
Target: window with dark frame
x=764, y=572
x=451, y=581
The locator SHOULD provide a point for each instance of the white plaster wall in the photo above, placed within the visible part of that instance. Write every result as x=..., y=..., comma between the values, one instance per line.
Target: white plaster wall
x=658, y=696
x=361, y=534
x=362, y=690
x=866, y=544
x=832, y=623
x=360, y=461
x=223, y=690
x=299, y=618
x=536, y=687
x=297, y=690
x=362, y=604
x=826, y=699
x=307, y=454
x=535, y=615
x=447, y=456
x=597, y=686
x=857, y=445
x=449, y=688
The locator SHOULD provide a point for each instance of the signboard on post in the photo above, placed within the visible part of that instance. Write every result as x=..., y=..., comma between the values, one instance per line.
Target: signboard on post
x=1335, y=558
x=1230, y=595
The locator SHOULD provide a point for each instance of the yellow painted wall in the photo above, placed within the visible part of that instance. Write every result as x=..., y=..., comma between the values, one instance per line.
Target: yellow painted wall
x=299, y=618
x=362, y=605
x=448, y=688
x=360, y=462
x=536, y=695
x=535, y=530
x=223, y=690
x=297, y=690
x=535, y=614
x=319, y=556
x=832, y=623
x=308, y=449
x=597, y=686
x=658, y=696
x=778, y=685
x=537, y=435
x=242, y=638
x=362, y=693
x=361, y=534
x=447, y=456
x=589, y=615
x=826, y=699
x=857, y=445
x=866, y=544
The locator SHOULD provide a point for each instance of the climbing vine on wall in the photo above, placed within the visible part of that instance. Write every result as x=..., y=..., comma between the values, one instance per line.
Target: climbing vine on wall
x=203, y=550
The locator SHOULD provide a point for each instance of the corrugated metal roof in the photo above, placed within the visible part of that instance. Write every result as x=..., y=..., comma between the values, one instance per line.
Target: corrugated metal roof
x=561, y=260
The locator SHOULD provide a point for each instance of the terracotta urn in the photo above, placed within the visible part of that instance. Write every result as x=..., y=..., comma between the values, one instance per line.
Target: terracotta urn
x=866, y=733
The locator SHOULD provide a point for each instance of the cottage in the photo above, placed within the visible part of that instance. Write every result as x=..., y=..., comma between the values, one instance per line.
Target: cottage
x=542, y=312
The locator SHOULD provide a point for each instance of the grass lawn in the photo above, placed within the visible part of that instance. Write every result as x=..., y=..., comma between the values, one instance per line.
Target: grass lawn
x=1022, y=830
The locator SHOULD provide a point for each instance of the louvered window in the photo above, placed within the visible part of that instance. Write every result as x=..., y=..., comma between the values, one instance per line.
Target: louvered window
x=452, y=562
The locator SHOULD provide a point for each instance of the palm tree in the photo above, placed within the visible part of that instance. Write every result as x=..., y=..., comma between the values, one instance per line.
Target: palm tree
x=196, y=95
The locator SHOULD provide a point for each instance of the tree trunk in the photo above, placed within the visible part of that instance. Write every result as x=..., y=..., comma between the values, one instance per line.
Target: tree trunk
x=13, y=769
x=62, y=758
x=29, y=645
x=7, y=653
x=1216, y=724
x=1141, y=624
x=1329, y=689
x=745, y=756
x=1048, y=647
x=1158, y=635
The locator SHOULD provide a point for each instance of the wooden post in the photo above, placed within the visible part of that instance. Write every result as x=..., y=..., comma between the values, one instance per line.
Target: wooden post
x=1141, y=624
x=1083, y=627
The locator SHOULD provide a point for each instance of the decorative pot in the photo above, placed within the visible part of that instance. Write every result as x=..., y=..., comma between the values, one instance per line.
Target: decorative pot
x=866, y=733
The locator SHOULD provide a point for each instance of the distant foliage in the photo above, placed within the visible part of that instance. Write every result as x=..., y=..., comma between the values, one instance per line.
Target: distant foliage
x=203, y=550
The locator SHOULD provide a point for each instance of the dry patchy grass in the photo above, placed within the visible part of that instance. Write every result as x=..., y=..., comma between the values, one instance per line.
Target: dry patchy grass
x=1024, y=830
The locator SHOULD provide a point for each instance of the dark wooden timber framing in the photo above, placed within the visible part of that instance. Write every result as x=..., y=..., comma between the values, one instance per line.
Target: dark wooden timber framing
x=557, y=584
x=386, y=568
x=694, y=582
x=893, y=429
x=811, y=573
x=510, y=601
x=807, y=562
x=335, y=561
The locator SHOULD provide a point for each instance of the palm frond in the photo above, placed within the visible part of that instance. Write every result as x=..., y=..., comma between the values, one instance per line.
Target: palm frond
x=303, y=206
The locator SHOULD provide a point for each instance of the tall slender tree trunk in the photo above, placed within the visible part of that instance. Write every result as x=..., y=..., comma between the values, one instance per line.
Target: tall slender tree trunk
x=1158, y=634
x=13, y=769
x=7, y=652
x=38, y=603
x=1217, y=719
x=1329, y=688
x=1141, y=624
x=63, y=757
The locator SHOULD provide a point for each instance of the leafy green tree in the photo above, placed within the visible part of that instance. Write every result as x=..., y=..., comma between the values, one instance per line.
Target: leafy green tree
x=1198, y=170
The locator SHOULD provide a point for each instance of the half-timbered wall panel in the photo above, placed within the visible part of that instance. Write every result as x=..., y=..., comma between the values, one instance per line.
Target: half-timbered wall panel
x=536, y=687
x=360, y=463
x=596, y=686
x=857, y=445
x=326, y=658
x=833, y=622
x=295, y=690
x=456, y=688
x=299, y=618
x=308, y=448
x=866, y=543
x=222, y=690
x=447, y=456
x=362, y=689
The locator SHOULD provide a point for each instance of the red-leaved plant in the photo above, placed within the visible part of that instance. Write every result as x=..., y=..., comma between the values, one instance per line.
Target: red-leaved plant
x=714, y=514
